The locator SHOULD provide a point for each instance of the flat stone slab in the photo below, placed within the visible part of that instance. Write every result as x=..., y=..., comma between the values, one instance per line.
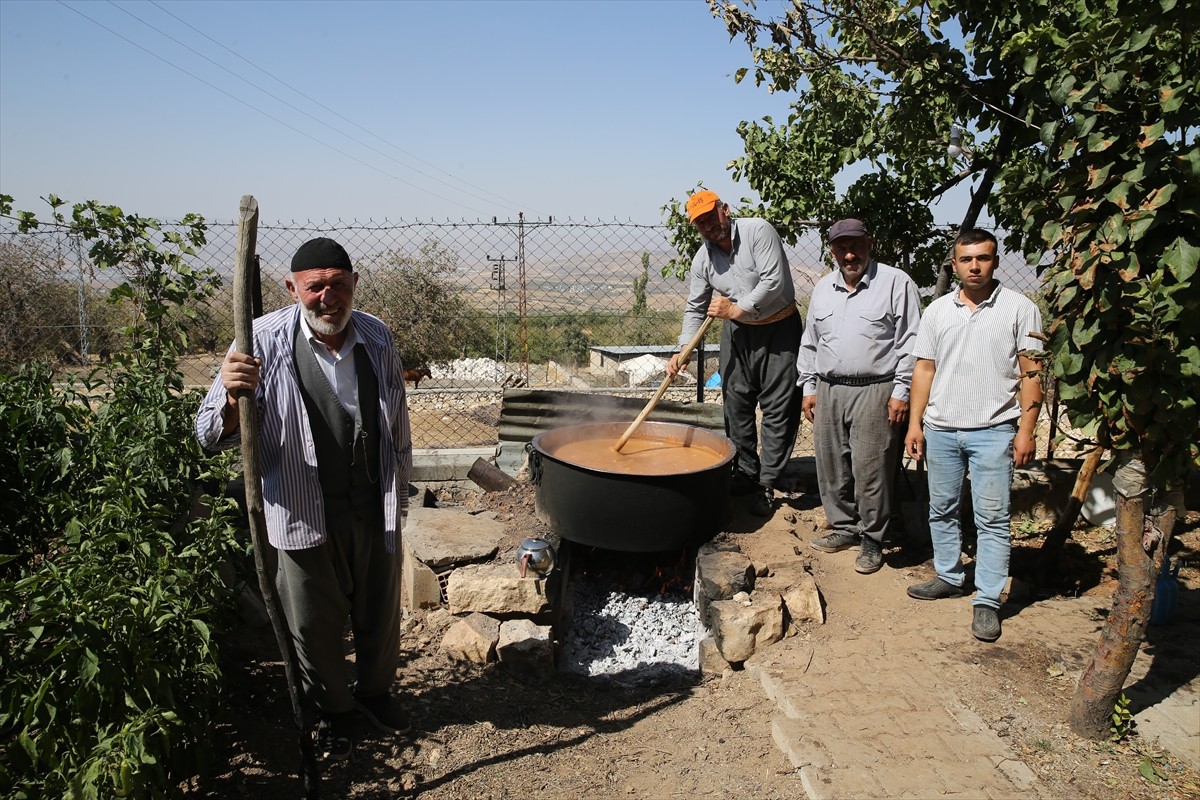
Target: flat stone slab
x=442, y=537
x=496, y=589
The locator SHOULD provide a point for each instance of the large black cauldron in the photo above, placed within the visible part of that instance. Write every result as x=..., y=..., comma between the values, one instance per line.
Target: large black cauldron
x=636, y=513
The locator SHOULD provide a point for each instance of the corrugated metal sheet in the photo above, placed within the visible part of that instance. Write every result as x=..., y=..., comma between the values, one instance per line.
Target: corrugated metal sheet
x=524, y=413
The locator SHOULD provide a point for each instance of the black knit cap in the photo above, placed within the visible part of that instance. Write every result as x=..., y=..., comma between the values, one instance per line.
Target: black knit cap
x=321, y=253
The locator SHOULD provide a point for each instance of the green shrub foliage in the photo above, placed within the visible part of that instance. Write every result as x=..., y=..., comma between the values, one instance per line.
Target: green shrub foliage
x=109, y=593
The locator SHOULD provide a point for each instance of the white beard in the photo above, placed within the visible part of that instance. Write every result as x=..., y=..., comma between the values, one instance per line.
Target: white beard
x=322, y=326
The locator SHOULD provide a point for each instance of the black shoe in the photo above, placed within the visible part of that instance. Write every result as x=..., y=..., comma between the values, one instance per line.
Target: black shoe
x=758, y=503
x=334, y=740
x=384, y=712
x=870, y=556
x=935, y=589
x=835, y=542
x=985, y=625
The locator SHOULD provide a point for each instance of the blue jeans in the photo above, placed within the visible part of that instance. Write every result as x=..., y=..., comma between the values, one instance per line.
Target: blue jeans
x=988, y=454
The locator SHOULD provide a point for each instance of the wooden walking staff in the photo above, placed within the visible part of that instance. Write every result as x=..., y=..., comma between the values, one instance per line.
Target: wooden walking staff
x=684, y=355
x=243, y=327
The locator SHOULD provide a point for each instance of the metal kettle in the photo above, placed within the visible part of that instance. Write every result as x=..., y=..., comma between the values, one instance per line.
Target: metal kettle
x=535, y=555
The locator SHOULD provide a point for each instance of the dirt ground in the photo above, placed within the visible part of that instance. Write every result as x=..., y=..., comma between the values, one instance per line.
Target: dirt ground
x=486, y=733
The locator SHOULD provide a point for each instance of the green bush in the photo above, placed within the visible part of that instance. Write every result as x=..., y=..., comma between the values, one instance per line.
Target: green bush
x=428, y=312
x=109, y=593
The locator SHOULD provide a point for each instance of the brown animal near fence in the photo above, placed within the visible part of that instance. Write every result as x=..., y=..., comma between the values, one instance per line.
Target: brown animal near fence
x=417, y=375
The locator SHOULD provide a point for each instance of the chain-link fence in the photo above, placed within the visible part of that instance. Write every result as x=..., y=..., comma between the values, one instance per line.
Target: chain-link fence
x=581, y=306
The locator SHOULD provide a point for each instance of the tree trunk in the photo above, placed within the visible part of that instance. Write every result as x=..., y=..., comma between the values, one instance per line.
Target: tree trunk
x=979, y=199
x=1047, y=569
x=1142, y=541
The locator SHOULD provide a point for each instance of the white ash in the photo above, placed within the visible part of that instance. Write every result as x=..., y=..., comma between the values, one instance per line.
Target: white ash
x=629, y=637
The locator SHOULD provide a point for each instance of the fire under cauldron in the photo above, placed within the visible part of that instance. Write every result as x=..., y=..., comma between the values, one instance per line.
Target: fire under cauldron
x=613, y=509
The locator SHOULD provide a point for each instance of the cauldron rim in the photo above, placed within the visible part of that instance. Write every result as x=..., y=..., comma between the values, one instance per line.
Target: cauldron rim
x=717, y=443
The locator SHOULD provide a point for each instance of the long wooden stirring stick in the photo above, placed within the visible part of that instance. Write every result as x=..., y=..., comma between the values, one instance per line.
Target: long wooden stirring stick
x=684, y=355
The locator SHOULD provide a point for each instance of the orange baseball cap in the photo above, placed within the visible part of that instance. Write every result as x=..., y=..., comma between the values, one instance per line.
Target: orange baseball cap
x=701, y=203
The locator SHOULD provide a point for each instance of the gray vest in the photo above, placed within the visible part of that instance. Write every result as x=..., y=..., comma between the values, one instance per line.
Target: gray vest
x=347, y=447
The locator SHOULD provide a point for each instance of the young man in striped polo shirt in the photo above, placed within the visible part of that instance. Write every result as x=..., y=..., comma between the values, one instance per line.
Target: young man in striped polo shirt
x=976, y=394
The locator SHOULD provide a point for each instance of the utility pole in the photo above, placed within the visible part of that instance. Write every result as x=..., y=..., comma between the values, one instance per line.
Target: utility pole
x=500, y=287
x=522, y=312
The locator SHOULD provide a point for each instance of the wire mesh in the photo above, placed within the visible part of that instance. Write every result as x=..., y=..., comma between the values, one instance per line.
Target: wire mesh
x=482, y=305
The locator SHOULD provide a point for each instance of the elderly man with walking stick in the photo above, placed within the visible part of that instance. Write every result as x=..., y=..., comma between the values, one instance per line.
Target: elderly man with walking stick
x=336, y=455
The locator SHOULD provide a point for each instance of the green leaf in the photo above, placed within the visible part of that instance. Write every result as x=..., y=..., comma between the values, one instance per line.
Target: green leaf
x=1139, y=223
x=1060, y=90
x=1046, y=134
x=1119, y=194
x=1098, y=175
x=1159, y=197
x=1170, y=98
x=1147, y=770
x=1140, y=39
x=1181, y=258
x=1099, y=142
x=90, y=667
x=1136, y=174
x=1051, y=234
x=1112, y=81
x=28, y=745
x=1152, y=133
x=1084, y=331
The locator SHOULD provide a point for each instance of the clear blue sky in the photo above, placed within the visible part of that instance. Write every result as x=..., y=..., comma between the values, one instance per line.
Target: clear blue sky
x=602, y=109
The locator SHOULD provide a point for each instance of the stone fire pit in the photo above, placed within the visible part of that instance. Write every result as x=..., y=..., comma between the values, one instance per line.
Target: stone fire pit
x=588, y=624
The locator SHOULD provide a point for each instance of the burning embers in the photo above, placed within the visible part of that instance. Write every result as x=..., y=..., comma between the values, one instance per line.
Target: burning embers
x=630, y=616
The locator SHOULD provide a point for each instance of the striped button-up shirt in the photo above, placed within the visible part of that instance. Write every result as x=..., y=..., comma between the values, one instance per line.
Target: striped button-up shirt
x=291, y=486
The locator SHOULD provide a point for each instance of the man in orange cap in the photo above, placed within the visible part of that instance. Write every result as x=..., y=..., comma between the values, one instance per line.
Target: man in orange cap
x=741, y=275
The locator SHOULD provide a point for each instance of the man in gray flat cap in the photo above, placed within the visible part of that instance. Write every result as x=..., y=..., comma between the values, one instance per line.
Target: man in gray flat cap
x=855, y=368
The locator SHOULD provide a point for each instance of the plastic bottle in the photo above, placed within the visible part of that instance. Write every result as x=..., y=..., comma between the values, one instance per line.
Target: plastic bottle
x=1166, y=593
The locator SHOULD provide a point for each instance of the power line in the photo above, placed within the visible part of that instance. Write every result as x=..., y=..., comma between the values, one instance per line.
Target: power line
x=269, y=116
x=335, y=113
x=296, y=108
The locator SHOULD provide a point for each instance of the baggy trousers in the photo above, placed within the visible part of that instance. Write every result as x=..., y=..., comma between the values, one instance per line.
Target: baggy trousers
x=758, y=371
x=857, y=454
x=351, y=575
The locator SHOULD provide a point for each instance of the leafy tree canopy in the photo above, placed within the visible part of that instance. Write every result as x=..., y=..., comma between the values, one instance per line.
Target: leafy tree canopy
x=1078, y=129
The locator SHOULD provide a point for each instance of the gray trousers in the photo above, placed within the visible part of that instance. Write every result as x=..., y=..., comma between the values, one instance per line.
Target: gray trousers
x=758, y=371
x=857, y=454
x=351, y=575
